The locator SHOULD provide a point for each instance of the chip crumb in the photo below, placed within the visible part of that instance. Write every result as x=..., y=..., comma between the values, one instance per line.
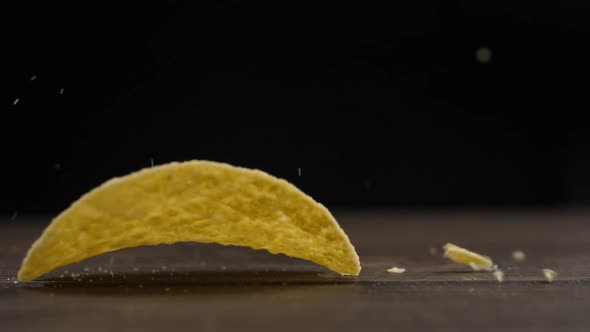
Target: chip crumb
x=549, y=274
x=463, y=256
x=499, y=274
x=396, y=269
x=518, y=255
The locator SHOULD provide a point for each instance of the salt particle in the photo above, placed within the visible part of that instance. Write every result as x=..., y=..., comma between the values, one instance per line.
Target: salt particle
x=15, y=101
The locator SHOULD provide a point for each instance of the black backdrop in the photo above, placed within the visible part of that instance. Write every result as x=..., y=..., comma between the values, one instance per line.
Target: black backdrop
x=379, y=106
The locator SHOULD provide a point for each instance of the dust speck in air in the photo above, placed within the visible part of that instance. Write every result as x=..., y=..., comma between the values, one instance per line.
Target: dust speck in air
x=483, y=55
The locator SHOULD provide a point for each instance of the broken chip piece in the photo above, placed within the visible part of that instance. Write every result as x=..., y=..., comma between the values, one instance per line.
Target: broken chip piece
x=549, y=274
x=463, y=256
x=396, y=269
x=194, y=201
x=518, y=255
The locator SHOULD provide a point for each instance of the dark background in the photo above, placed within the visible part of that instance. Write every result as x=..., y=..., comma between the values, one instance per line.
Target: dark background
x=381, y=106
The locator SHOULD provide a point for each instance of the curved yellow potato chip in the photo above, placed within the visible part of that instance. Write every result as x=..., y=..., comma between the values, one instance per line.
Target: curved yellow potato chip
x=198, y=201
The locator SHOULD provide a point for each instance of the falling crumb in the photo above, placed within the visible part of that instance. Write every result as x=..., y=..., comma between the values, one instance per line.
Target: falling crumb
x=86, y=269
x=463, y=256
x=499, y=274
x=483, y=55
x=112, y=274
x=14, y=215
x=471, y=290
x=396, y=269
x=549, y=274
x=299, y=171
x=61, y=275
x=152, y=161
x=432, y=250
x=61, y=91
x=57, y=166
x=34, y=77
x=15, y=101
x=518, y=255
x=167, y=289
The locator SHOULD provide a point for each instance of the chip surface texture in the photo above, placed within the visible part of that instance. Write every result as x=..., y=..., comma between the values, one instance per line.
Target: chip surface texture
x=193, y=201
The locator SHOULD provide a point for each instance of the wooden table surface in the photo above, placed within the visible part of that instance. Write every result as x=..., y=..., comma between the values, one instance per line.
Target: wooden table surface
x=208, y=287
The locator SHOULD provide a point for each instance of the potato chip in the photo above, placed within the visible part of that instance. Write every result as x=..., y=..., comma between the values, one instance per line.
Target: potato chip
x=194, y=201
x=460, y=255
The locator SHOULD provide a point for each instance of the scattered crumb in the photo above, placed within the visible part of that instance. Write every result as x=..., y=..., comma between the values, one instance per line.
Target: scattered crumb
x=14, y=215
x=164, y=268
x=135, y=269
x=152, y=161
x=75, y=275
x=299, y=171
x=33, y=77
x=167, y=289
x=432, y=250
x=499, y=274
x=549, y=274
x=396, y=269
x=463, y=256
x=15, y=101
x=99, y=269
x=518, y=255
x=223, y=267
x=140, y=286
x=61, y=91
x=61, y=275
x=15, y=282
x=86, y=269
x=471, y=290
x=112, y=274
